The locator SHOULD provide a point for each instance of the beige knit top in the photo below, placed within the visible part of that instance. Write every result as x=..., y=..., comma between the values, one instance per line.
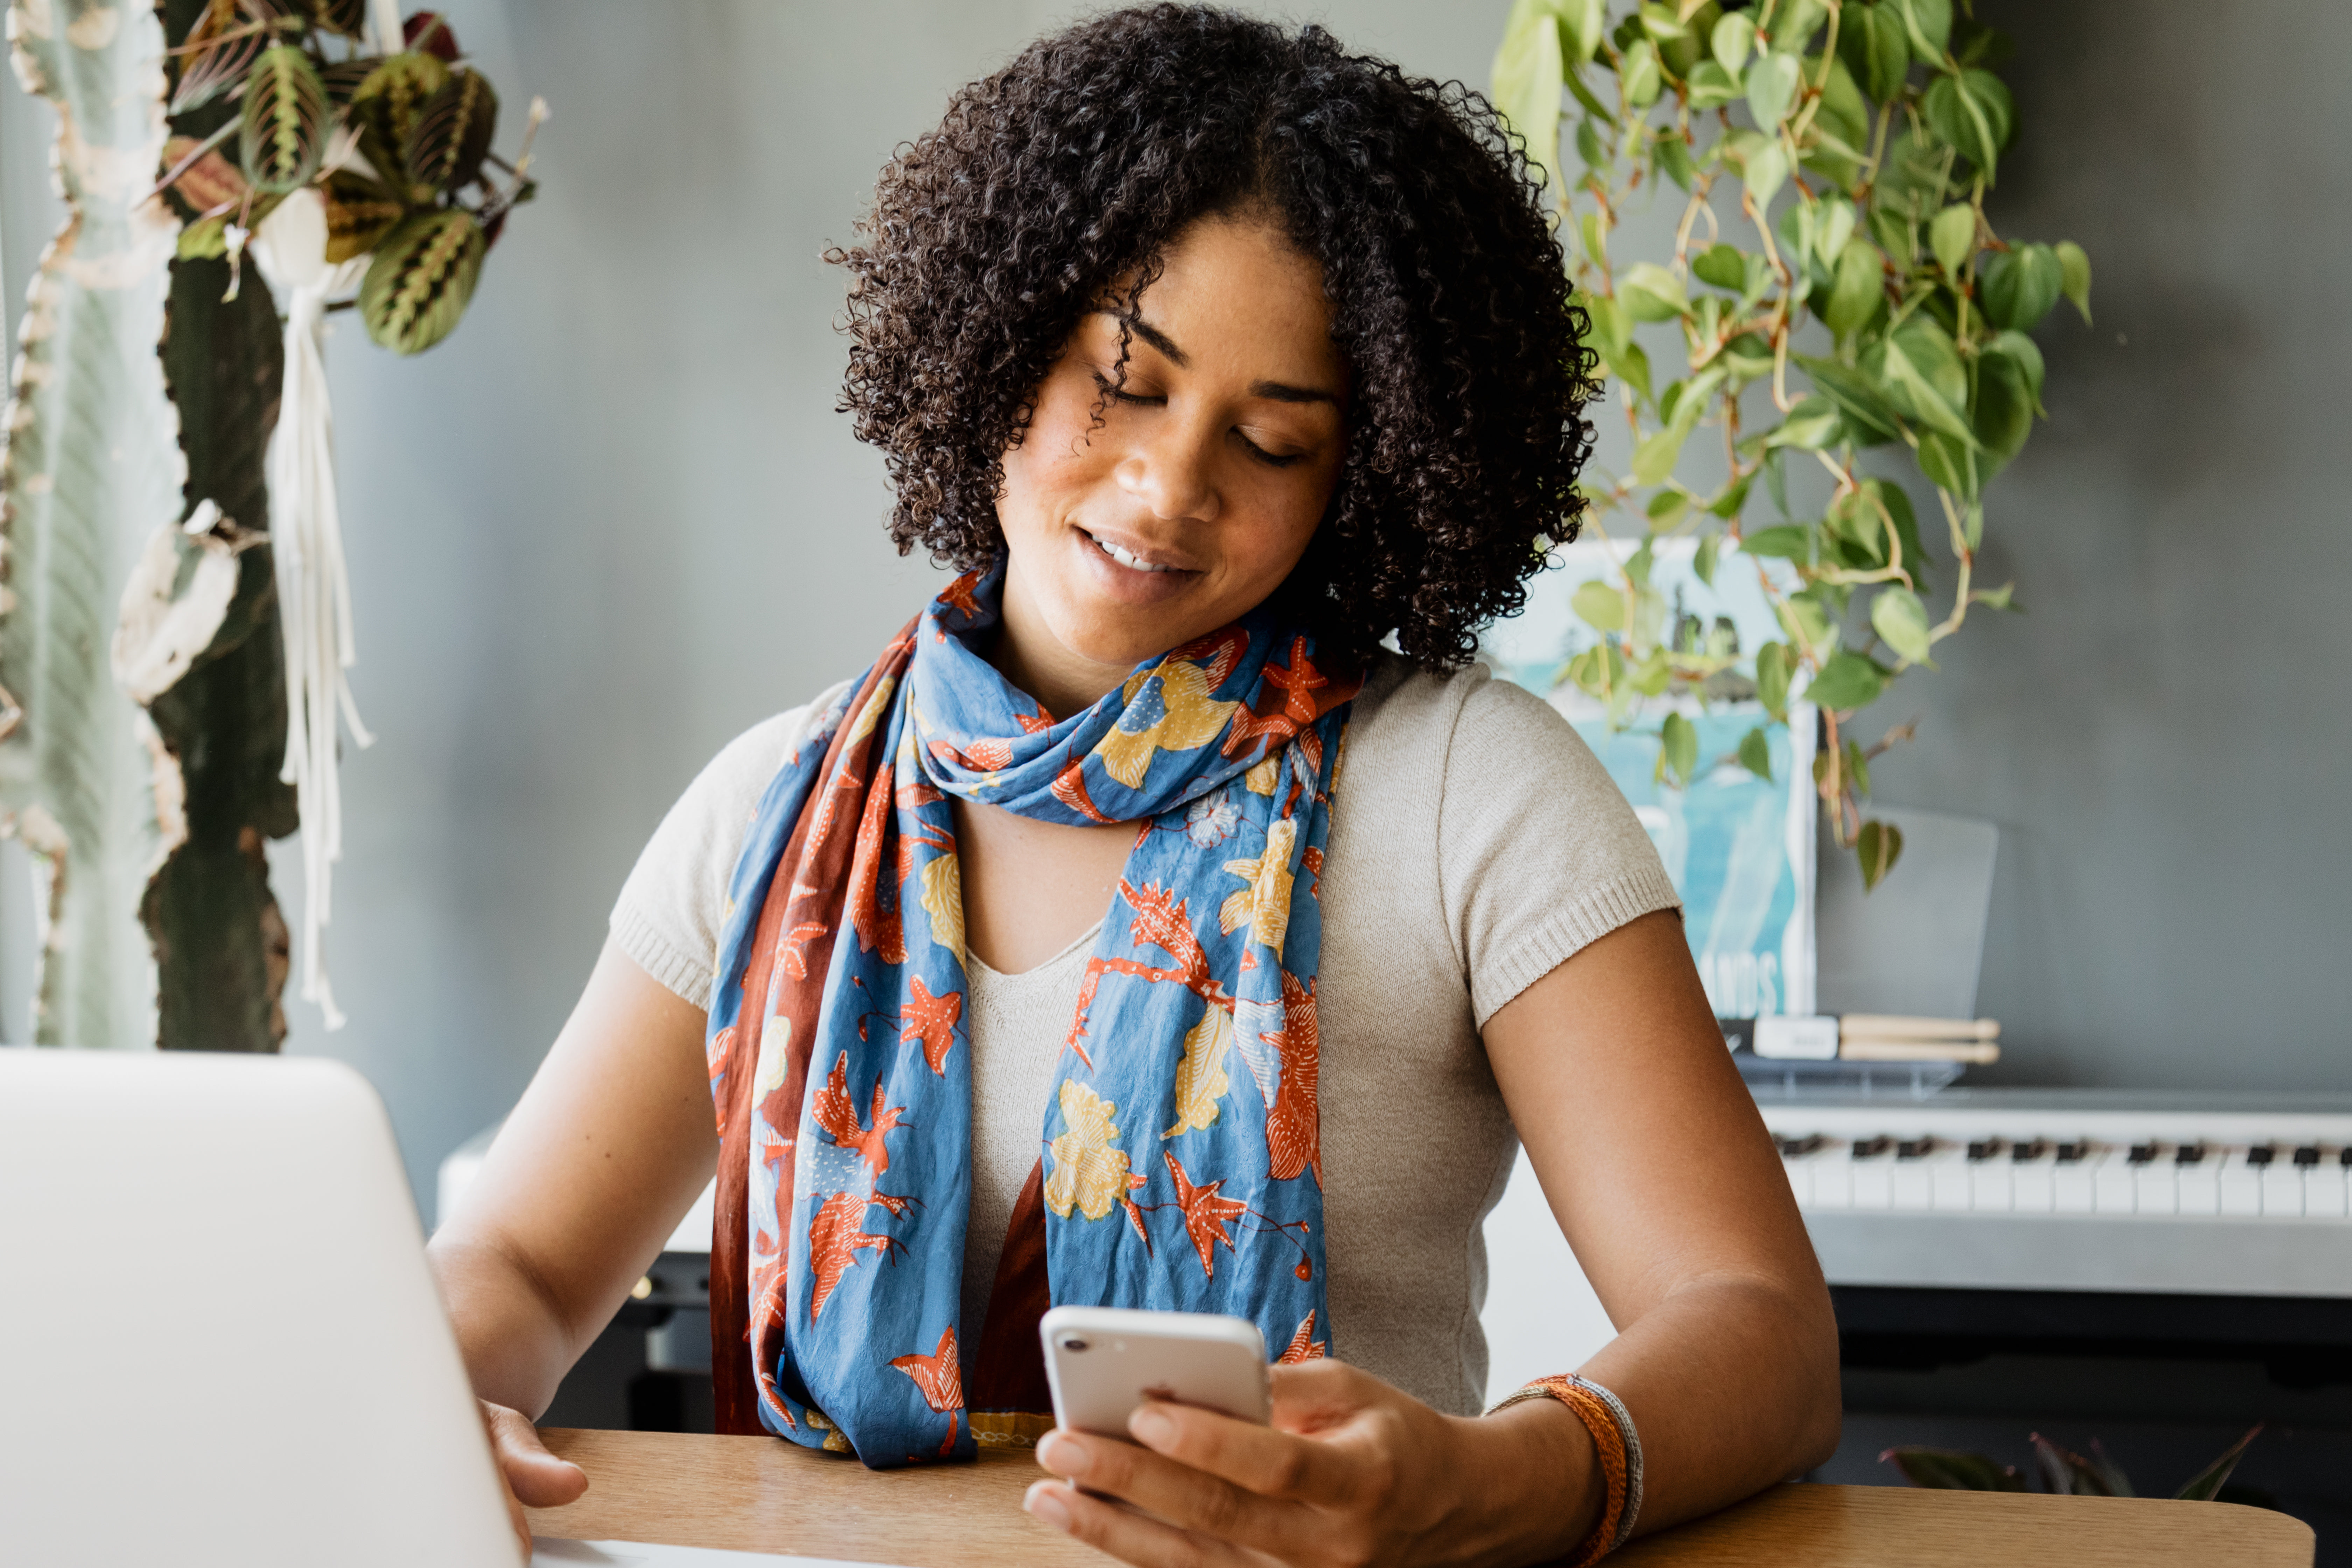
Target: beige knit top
x=1474, y=844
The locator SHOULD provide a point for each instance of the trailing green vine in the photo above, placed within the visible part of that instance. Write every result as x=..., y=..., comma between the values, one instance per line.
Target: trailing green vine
x=1833, y=285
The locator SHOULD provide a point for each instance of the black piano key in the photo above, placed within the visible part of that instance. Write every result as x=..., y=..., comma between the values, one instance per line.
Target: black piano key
x=2026, y=1149
x=1795, y=1148
x=2260, y=1154
x=2074, y=1149
x=2189, y=1154
x=1984, y=1148
x=1915, y=1148
x=2307, y=1155
x=2344, y=1155
x=2143, y=1153
x=1865, y=1148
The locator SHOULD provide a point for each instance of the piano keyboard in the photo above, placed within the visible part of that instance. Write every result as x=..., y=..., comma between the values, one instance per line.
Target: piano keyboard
x=2078, y=1190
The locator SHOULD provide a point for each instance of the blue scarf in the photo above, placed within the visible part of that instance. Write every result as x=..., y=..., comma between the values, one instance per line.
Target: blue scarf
x=1179, y=1167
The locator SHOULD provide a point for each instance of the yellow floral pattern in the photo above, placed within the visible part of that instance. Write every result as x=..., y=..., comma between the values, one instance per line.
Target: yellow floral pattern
x=1200, y=1075
x=943, y=901
x=1089, y=1174
x=1264, y=905
x=1191, y=718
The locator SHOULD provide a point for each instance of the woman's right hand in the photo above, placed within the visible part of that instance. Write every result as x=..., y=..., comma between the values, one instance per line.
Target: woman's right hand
x=531, y=1475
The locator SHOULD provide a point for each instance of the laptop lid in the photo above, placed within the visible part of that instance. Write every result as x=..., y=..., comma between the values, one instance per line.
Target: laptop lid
x=219, y=1344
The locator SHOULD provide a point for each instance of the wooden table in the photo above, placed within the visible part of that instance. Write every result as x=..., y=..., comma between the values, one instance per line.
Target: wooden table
x=757, y=1494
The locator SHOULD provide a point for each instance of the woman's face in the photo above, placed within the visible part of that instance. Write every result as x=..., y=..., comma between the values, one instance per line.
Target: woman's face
x=1198, y=491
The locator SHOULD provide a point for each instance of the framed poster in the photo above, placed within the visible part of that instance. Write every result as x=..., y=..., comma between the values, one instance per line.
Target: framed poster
x=1739, y=845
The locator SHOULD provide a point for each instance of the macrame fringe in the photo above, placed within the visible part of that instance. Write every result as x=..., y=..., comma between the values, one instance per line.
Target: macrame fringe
x=314, y=593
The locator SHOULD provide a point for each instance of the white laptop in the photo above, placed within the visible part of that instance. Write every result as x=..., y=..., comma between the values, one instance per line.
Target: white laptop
x=218, y=1341
x=219, y=1345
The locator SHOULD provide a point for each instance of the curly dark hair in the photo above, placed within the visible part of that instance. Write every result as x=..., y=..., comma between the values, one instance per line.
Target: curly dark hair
x=1077, y=164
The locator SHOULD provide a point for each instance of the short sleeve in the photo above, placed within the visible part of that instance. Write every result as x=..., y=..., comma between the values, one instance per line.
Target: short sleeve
x=1538, y=851
x=668, y=914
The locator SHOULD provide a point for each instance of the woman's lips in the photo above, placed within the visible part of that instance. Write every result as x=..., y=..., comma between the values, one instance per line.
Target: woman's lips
x=1133, y=573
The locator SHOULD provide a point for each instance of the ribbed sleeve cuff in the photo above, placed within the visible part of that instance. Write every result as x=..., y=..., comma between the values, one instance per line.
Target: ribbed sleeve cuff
x=1536, y=952
x=687, y=976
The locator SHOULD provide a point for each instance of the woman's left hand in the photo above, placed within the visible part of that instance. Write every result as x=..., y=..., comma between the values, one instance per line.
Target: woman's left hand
x=1351, y=1472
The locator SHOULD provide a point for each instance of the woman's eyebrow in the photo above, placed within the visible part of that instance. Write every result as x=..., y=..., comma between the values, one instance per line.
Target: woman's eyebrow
x=1282, y=391
x=1273, y=391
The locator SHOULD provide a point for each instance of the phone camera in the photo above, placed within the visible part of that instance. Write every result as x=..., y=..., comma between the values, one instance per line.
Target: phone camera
x=1073, y=1342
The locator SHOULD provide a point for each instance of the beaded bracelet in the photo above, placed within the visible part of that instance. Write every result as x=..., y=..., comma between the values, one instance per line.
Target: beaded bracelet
x=1605, y=1416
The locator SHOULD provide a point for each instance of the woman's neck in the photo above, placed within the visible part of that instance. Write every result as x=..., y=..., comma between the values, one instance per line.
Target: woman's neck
x=1034, y=660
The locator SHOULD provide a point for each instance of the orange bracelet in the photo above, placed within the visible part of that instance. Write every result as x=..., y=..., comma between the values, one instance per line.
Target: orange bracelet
x=1604, y=1415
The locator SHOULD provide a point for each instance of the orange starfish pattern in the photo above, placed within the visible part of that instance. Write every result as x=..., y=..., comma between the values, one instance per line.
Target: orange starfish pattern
x=1206, y=1214
x=940, y=1377
x=1297, y=683
x=1304, y=1345
x=932, y=1020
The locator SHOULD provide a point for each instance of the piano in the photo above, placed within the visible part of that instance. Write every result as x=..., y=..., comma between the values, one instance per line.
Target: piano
x=1968, y=1222
x=2082, y=1221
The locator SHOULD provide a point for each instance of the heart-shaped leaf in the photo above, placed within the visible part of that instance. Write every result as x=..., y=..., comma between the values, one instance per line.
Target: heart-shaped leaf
x=1972, y=111
x=2018, y=287
x=1846, y=682
x=1600, y=606
x=1875, y=47
x=2075, y=274
x=1772, y=88
x=1774, y=665
x=1651, y=293
x=1878, y=846
x=1953, y=236
x=1733, y=36
x=1901, y=620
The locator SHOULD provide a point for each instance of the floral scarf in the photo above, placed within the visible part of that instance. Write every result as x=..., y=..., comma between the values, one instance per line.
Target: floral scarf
x=1180, y=1166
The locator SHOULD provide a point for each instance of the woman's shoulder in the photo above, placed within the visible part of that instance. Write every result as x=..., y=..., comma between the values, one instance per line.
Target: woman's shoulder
x=730, y=784
x=669, y=909
x=1416, y=716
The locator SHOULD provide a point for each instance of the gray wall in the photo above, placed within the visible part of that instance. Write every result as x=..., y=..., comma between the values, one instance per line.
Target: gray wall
x=615, y=519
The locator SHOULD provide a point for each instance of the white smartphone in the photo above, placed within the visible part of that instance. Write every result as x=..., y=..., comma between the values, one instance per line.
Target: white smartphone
x=1103, y=1361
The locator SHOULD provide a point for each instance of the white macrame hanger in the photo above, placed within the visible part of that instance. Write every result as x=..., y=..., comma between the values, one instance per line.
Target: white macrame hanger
x=383, y=22
x=314, y=593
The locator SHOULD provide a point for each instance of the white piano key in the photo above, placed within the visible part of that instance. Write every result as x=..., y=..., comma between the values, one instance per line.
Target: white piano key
x=1832, y=1178
x=1912, y=1185
x=2075, y=1188
x=1873, y=1182
x=2032, y=1185
x=2199, y=1186
x=2281, y=1191
x=2115, y=1182
x=2324, y=1192
x=1990, y=1182
x=2241, y=1185
x=2154, y=1189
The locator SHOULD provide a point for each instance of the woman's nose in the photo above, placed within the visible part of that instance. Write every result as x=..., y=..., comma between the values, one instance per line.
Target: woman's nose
x=1168, y=471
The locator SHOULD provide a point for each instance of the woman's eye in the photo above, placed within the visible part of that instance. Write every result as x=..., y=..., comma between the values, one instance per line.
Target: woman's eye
x=1270, y=459
x=1120, y=393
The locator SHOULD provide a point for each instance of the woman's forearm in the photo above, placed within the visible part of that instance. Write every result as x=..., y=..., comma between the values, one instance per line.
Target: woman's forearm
x=516, y=1344
x=1732, y=1382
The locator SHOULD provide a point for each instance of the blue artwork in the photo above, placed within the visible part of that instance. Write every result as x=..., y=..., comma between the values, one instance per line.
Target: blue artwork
x=1738, y=847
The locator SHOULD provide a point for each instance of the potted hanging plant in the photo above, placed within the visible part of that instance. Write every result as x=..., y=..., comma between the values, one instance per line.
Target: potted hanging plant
x=1835, y=314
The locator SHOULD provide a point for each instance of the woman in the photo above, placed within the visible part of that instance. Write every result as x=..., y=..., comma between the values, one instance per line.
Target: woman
x=1137, y=931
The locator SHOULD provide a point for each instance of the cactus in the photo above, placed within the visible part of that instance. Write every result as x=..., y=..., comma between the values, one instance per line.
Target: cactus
x=90, y=474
